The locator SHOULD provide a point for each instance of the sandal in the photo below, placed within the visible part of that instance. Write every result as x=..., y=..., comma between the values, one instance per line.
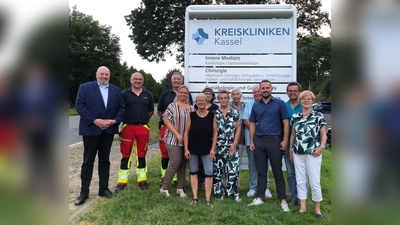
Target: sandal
x=164, y=192
x=181, y=193
x=209, y=203
x=193, y=202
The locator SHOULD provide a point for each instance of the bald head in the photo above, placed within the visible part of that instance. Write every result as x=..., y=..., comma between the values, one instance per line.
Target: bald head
x=103, y=75
x=137, y=80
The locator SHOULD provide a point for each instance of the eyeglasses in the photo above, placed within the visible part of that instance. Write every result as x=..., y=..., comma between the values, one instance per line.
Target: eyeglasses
x=201, y=101
x=306, y=99
x=183, y=93
x=138, y=79
x=292, y=91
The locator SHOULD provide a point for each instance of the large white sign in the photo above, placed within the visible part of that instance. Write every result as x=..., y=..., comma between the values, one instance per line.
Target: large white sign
x=237, y=46
x=240, y=60
x=241, y=36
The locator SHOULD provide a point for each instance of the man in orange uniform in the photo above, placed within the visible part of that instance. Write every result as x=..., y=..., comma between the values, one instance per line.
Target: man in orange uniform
x=135, y=131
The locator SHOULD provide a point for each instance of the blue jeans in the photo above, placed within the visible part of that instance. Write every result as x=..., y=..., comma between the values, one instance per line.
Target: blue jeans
x=253, y=170
x=291, y=175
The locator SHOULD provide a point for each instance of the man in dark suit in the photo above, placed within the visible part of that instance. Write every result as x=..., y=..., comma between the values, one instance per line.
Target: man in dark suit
x=100, y=106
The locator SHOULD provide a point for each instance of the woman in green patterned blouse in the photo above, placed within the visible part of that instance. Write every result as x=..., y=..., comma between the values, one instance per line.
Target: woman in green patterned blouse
x=307, y=143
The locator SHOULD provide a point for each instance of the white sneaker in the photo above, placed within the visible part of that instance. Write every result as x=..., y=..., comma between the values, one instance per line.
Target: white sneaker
x=268, y=194
x=285, y=207
x=181, y=193
x=256, y=201
x=251, y=193
x=164, y=192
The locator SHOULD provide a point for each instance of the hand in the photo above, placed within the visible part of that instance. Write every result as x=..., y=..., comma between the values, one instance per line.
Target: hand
x=187, y=154
x=111, y=122
x=102, y=124
x=212, y=154
x=232, y=149
x=291, y=157
x=317, y=151
x=283, y=145
x=252, y=146
x=180, y=138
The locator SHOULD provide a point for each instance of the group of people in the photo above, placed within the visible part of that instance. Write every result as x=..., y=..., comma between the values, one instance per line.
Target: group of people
x=211, y=137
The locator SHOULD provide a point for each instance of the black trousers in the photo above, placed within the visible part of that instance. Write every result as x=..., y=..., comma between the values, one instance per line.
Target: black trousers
x=268, y=148
x=100, y=144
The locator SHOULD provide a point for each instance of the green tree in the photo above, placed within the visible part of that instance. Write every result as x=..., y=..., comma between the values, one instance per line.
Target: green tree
x=158, y=26
x=314, y=64
x=151, y=85
x=91, y=45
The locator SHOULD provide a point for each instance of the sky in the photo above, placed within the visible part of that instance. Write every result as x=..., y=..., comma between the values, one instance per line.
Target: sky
x=111, y=14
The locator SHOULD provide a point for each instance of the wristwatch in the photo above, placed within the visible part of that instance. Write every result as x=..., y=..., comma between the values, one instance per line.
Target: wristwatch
x=323, y=146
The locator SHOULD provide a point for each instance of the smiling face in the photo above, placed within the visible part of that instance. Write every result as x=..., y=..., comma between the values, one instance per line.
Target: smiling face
x=176, y=81
x=223, y=99
x=256, y=94
x=293, y=92
x=103, y=75
x=209, y=95
x=265, y=89
x=306, y=99
x=236, y=96
x=183, y=94
x=137, y=80
x=201, y=102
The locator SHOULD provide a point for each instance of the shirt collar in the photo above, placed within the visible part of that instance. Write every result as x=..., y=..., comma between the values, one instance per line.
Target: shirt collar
x=271, y=99
x=108, y=84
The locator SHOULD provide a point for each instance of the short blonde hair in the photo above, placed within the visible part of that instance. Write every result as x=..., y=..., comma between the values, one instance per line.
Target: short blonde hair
x=307, y=92
x=223, y=91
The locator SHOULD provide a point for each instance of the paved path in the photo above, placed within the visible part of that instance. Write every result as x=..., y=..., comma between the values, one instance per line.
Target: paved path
x=73, y=135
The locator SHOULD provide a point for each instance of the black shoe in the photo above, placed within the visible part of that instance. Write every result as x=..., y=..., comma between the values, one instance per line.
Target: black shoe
x=293, y=202
x=119, y=188
x=161, y=182
x=106, y=193
x=320, y=216
x=81, y=199
x=143, y=185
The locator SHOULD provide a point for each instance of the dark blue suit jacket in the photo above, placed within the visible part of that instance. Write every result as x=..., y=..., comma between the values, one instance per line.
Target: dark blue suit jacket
x=90, y=106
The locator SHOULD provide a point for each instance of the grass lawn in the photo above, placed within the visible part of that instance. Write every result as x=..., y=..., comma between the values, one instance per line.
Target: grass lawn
x=72, y=112
x=135, y=206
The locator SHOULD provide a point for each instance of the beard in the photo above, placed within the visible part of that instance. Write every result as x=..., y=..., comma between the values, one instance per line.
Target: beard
x=266, y=95
x=103, y=82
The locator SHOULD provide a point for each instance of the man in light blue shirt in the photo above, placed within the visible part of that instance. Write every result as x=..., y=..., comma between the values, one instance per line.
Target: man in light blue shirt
x=250, y=154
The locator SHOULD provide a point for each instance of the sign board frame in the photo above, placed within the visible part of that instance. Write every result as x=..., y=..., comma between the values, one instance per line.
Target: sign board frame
x=240, y=41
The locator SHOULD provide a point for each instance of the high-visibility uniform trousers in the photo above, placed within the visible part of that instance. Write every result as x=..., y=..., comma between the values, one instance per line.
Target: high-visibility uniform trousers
x=164, y=153
x=134, y=138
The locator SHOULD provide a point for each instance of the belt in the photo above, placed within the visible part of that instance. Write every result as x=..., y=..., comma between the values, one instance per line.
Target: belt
x=137, y=124
x=268, y=136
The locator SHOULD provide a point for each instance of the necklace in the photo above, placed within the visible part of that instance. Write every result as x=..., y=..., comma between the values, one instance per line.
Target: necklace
x=202, y=115
x=305, y=115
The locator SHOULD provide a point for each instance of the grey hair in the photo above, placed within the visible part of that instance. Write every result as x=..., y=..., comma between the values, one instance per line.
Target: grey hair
x=255, y=86
x=201, y=95
x=236, y=89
